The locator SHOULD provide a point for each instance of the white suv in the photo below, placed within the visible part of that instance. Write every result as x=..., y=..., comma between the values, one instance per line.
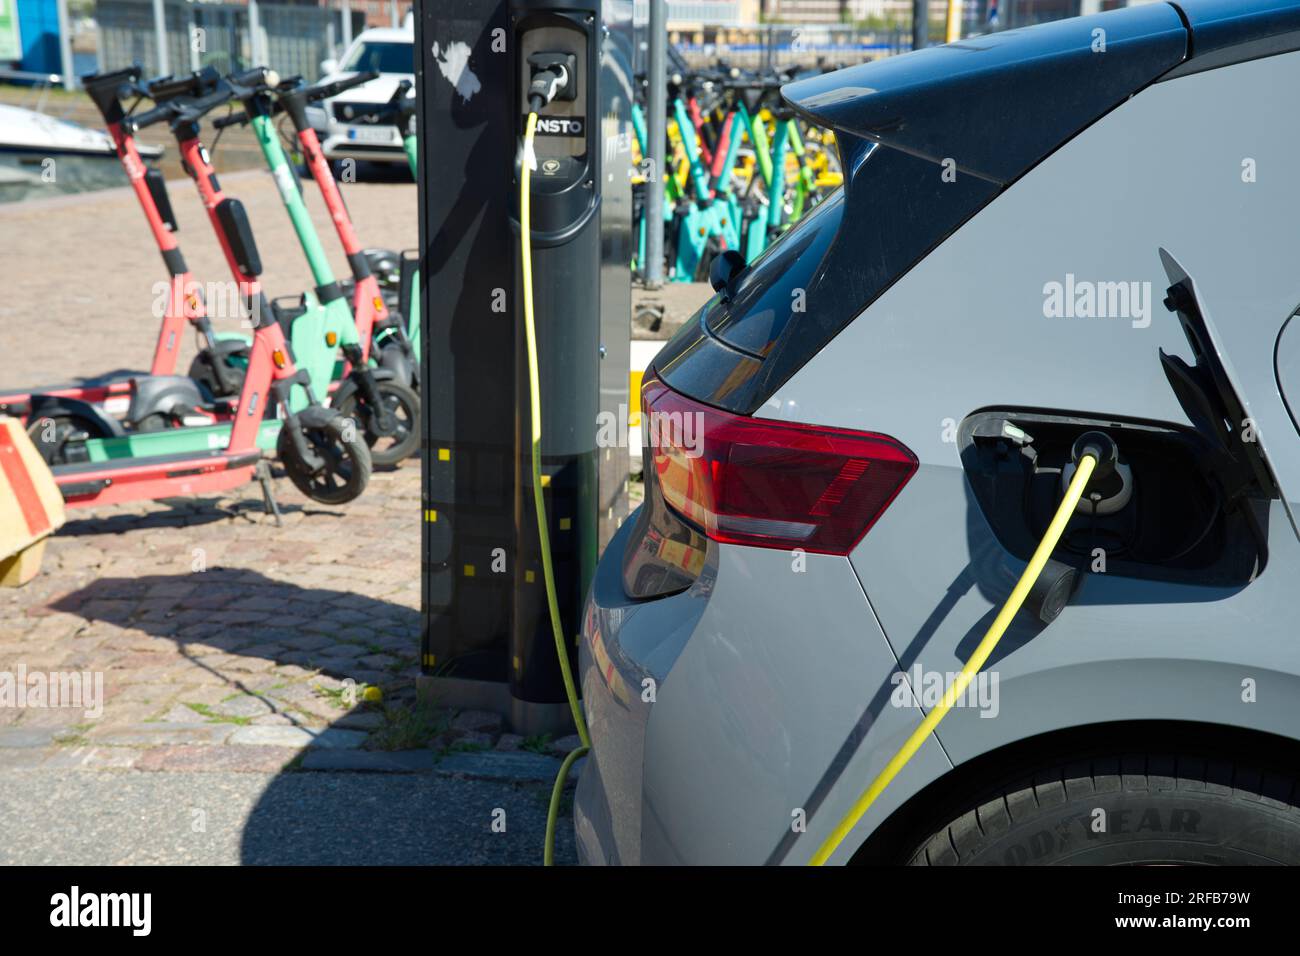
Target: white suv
x=388, y=52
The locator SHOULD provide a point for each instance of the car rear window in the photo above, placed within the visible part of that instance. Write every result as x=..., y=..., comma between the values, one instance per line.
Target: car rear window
x=819, y=276
x=774, y=289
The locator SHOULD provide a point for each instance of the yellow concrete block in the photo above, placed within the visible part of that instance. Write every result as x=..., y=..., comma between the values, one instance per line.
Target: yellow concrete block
x=31, y=507
x=17, y=569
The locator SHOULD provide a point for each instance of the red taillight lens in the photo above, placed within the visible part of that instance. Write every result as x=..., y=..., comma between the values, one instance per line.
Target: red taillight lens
x=766, y=483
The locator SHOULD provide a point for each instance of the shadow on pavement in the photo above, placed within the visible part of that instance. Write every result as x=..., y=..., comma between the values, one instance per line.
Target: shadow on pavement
x=303, y=817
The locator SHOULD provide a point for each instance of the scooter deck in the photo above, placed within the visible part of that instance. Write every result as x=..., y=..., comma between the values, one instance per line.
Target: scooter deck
x=172, y=441
x=98, y=391
x=163, y=476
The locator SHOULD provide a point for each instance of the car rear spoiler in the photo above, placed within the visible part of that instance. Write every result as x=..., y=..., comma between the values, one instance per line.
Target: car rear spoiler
x=996, y=105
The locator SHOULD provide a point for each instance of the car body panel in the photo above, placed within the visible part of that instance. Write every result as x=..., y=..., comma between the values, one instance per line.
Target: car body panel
x=732, y=714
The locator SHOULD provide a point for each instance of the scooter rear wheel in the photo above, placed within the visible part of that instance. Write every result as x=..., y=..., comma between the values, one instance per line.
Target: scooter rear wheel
x=346, y=469
x=404, y=405
x=236, y=364
x=61, y=439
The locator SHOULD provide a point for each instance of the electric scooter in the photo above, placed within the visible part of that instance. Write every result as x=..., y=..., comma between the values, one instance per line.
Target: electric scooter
x=159, y=399
x=397, y=352
x=318, y=447
x=400, y=112
x=322, y=323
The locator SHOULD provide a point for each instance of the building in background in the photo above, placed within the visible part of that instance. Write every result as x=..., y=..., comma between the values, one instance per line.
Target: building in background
x=841, y=11
x=703, y=14
x=31, y=30
x=375, y=13
x=975, y=13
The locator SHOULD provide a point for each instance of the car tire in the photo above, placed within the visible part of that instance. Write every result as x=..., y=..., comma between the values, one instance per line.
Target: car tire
x=1130, y=810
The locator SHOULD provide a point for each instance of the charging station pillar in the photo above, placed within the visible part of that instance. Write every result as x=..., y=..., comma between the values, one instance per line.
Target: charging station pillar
x=486, y=636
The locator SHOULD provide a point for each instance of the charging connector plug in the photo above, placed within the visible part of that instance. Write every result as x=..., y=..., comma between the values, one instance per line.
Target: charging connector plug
x=546, y=85
x=552, y=76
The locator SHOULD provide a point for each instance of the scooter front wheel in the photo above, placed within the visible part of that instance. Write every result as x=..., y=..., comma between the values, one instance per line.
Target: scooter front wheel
x=344, y=460
x=402, y=440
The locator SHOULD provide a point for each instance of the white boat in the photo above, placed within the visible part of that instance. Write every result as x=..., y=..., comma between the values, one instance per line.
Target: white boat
x=44, y=156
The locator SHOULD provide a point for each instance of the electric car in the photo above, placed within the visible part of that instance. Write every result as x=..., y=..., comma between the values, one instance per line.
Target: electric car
x=339, y=122
x=858, y=442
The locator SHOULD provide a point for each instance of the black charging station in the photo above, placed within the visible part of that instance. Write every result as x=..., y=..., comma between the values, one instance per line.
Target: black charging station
x=486, y=635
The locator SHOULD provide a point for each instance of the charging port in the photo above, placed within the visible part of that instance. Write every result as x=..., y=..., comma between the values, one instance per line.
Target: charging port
x=1168, y=510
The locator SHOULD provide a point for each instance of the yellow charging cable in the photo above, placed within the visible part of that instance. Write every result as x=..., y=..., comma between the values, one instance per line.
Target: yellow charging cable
x=994, y=634
x=539, y=503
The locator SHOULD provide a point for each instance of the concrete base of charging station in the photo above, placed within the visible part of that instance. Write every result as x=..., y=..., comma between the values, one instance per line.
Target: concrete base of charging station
x=523, y=716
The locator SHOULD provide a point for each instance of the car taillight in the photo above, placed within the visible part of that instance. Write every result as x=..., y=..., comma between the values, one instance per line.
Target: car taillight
x=765, y=483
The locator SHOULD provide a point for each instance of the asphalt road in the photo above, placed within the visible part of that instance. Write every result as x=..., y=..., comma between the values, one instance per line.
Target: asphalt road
x=308, y=819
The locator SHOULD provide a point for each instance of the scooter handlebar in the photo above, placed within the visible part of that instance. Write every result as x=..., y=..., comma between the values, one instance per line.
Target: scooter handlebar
x=159, y=113
x=401, y=93
x=191, y=84
x=254, y=79
x=324, y=91
x=108, y=90
x=127, y=76
x=197, y=108
x=394, y=111
x=234, y=119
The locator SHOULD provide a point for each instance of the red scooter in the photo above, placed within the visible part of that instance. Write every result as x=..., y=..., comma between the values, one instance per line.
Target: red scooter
x=368, y=305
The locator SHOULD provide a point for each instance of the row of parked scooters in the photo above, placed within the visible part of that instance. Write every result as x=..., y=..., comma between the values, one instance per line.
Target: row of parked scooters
x=327, y=379
x=742, y=167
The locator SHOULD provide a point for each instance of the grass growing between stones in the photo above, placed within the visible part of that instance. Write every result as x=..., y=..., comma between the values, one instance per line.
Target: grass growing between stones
x=537, y=743
x=74, y=736
x=203, y=710
x=410, y=726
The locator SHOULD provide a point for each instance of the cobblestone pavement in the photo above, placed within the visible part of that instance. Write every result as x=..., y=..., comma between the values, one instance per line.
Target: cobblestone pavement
x=225, y=644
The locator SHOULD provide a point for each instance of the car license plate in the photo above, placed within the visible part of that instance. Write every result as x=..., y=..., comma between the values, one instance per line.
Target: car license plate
x=370, y=134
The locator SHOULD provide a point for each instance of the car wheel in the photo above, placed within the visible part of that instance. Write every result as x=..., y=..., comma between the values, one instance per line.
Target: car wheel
x=1130, y=810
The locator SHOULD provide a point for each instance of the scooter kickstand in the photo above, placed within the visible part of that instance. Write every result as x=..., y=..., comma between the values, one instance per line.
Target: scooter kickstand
x=269, y=504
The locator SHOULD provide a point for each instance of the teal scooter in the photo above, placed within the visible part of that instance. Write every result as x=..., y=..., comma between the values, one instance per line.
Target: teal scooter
x=672, y=195
x=703, y=217
x=322, y=324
